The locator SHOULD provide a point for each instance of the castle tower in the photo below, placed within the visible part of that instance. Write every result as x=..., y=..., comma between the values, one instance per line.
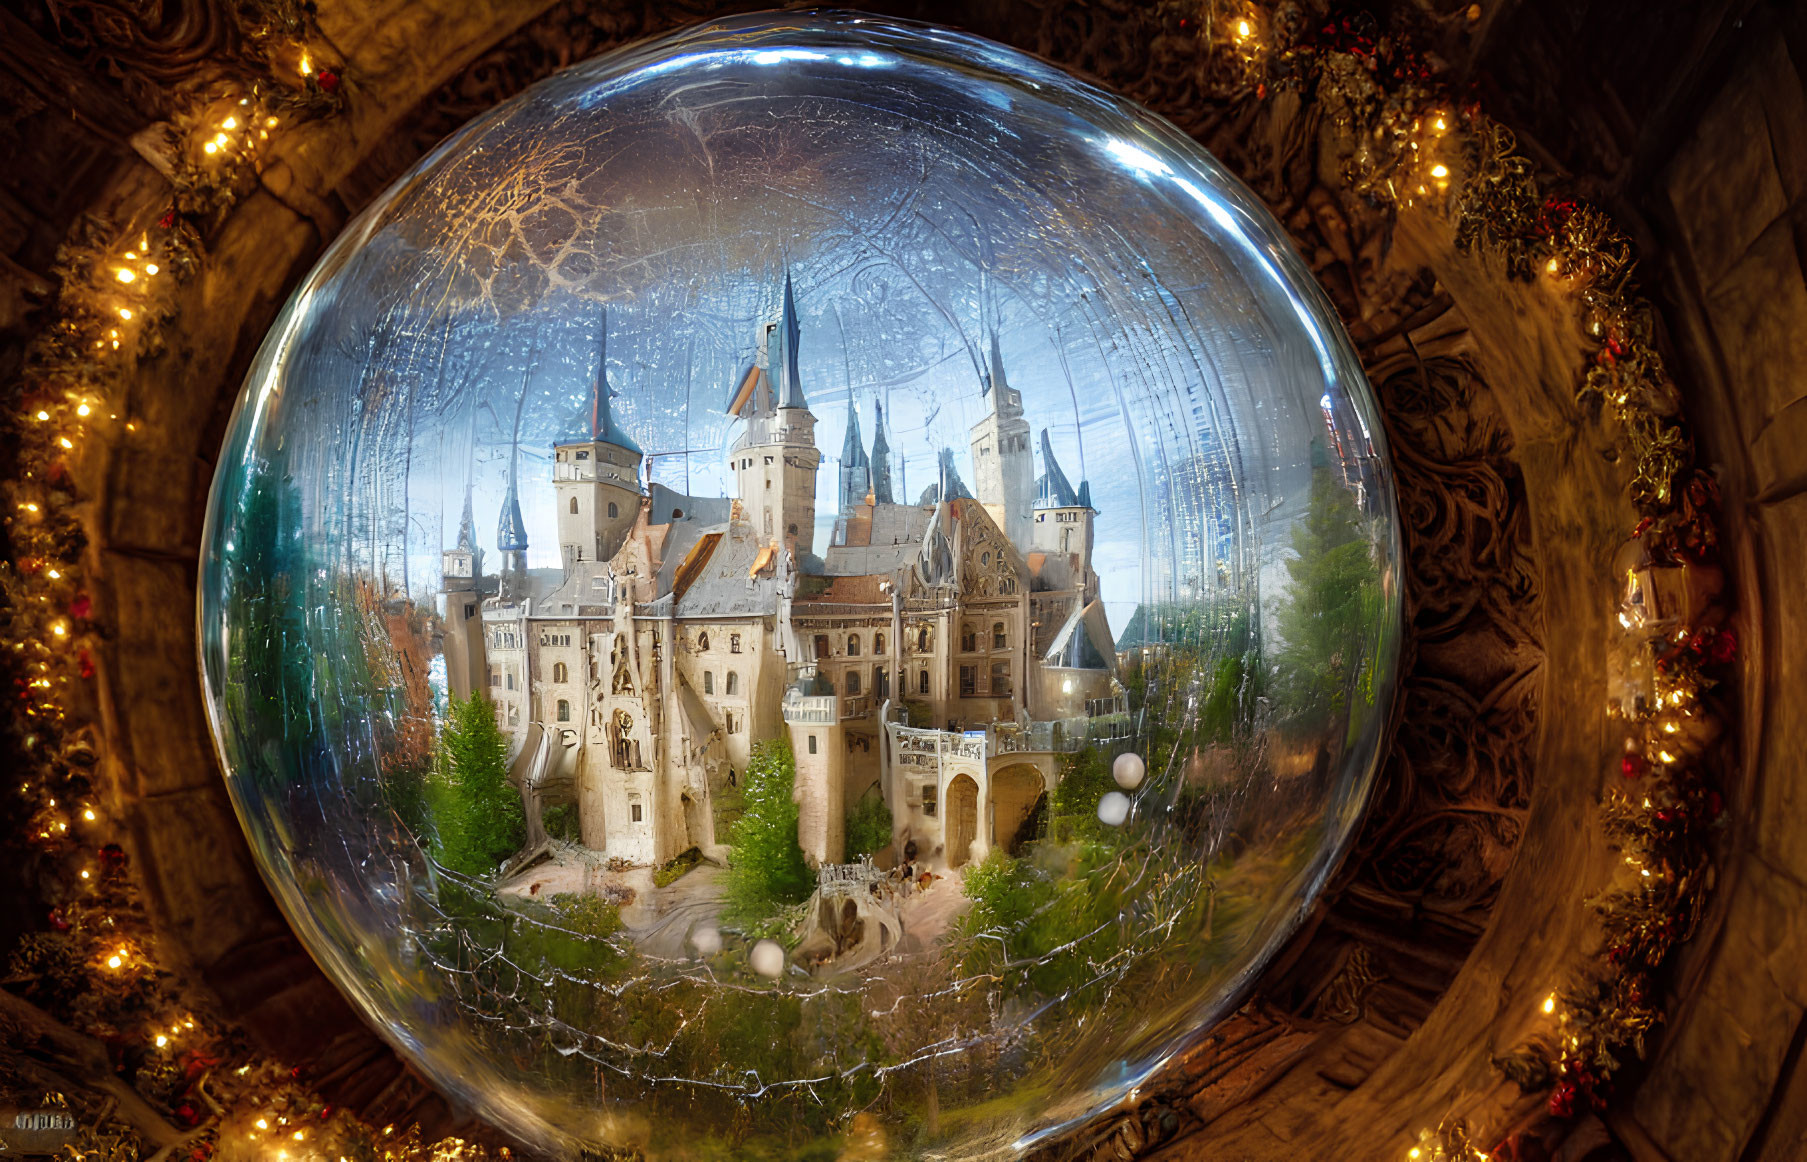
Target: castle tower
x=460, y=576
x=856, y=470
x=1003, y=465
x=596, y=474
x=1063, y=514
x=775, y=459
x=511, y=540
x=881, y=457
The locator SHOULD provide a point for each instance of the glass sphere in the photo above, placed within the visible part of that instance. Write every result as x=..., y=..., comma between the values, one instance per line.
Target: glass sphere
x=690, y=563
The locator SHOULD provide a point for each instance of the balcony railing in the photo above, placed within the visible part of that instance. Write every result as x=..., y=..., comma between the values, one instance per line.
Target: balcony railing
x=856, y=706
x=810, y=709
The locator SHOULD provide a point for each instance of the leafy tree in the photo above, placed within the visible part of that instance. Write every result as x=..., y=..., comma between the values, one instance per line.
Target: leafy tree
x=868, y=825
x=1331, y=601
x=478, y=819
x=1073, y=805
x=767, y=870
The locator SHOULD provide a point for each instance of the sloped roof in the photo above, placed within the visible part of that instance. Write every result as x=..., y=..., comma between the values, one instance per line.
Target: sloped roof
x=1083, y=642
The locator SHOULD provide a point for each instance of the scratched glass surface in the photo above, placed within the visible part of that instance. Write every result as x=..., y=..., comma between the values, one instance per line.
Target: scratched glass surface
x=813, y=585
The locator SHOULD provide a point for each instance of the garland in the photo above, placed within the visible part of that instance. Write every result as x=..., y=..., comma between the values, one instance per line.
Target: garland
x=88, y=992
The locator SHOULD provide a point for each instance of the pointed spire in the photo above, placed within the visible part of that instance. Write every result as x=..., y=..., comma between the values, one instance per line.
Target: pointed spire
x=853, y=451
x=467, y=525
x=511, y=530
x=881, y=457
x=997, y=379
x=602, y=428
x=784, y=373
x=1053, y=489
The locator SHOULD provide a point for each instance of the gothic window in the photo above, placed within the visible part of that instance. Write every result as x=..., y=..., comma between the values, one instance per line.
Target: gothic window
x=878, y=644
x=564, y=710
x=1007, y=586
x=853, y=682
x=1000, y=679
x=985, y=558
x=702, y=641
x=922, y=681
x=734, y=643
x=613, y=511
x=708, y=681
x=969, y=638
x=922, y=640
x=560, y=672
x=968, y=682
x=998, y=640
x=853, y=645
x=733, y=683
x=573, y=506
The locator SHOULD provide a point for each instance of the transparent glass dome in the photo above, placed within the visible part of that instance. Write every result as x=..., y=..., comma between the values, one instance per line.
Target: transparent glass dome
x=817, y=583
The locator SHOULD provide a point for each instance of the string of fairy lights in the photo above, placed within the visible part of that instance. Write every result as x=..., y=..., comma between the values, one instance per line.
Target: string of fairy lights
x=96, y=969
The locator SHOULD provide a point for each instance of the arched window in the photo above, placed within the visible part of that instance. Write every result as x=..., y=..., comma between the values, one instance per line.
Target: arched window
x=793, y=530
x=853, y=645
x=613, y=511
x=922, y=640
x=853, y=681
x=564, y=710
x=997, y=635
x=922, y=681
x=702, y=641
x=708, y=681
x=560, y=672
x=733, y=683
x=573, y=506
x=878, y=644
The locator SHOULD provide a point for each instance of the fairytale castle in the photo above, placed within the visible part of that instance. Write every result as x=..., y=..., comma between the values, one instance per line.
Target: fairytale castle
x=941, y=654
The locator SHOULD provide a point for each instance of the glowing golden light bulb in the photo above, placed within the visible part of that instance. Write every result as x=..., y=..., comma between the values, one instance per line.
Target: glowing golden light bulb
x=1439, y=170
x=42, y=416
x=162, y=1040
x=1439, y=124
x=306, y=66
x=1552, y=266
x=115, y=960
x=151, y=268
x=210, y=147
x=53, y=575
x=82, y=409
x=124, y=275
x=270, y=124
x=1549, y=1004
x=262, y=1124
x=88, y=814
x=1243, y=30
x=64, y=441
x=229, y=123
x=84, y=873
x=59, y=629
x=125, y=313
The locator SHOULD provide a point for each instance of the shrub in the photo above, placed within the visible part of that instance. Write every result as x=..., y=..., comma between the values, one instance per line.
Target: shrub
x=868, y=825
x=674, y=868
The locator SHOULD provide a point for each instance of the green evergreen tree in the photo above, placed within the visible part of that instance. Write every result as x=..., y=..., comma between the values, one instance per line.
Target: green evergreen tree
x=478, y=819
x=767, y=870
x=1331, y=603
